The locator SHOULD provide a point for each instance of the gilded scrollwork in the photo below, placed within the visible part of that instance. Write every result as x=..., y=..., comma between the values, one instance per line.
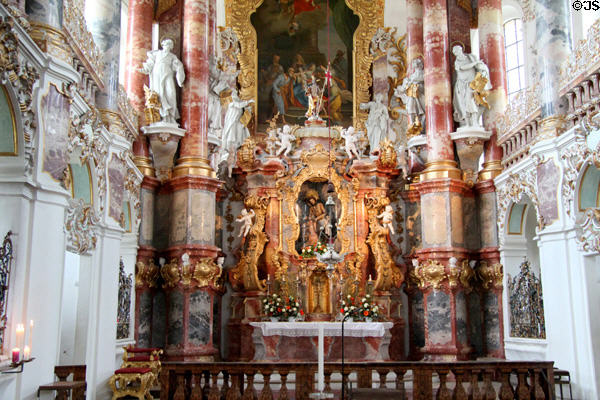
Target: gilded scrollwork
x=245, y=154
x=370, y=13
x=245, y=274
x=202, y=273
x=388, y=273
x=388, y=158
x=315, y=167
x=490, y=275
x=146, y=274
x=431, y=273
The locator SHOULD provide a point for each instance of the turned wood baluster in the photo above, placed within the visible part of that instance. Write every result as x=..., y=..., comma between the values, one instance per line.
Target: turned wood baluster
x=214, y=392
x=459, y=389
x=179, y=388
x=506, y=390
x=196, y=393
x=250, y=392
x=225, y=387
x=489, y=393
x=400, y=383
x=266, y=393
x=538, y=391
x=382, y=378
x=443, y=392
x=474, y=392
x=283, y=392
x=206, y=387
x=327, y=376
x=422, y=384
x=364, y=378
x=522, y=387
x=235, y=391
x=164, y=384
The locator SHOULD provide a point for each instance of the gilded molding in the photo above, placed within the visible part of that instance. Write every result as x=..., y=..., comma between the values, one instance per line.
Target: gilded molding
x=388, y=274
x=146, y=274
x=129, y=115
x=371, y=16
x=433, y=274
x=245, y=154
x=17, y=72
x=245, y=274
x=81, y=40
x=490, y=275
x=388, y=158
x=80, y=220
x=203, y=273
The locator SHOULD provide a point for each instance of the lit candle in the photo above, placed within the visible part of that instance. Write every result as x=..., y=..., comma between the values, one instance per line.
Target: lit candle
x=26, y=353
x=370, y=278
x=15, y=355
x=20, y=335
x=268, y=277
x=30, y=334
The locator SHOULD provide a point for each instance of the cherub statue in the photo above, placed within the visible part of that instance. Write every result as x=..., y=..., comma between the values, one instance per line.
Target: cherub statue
x=164, y=68
x=387, y=216
x=286, y=138
x=351, y=137
x=246, y=219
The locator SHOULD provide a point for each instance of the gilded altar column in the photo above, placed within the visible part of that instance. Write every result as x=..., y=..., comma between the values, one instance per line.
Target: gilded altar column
x=103, y=18
x=553, y=40
x=192, y=287
x=491, y=49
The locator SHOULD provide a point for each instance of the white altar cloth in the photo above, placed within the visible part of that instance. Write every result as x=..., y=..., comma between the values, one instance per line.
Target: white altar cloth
x=351, y=329
x=321, y=329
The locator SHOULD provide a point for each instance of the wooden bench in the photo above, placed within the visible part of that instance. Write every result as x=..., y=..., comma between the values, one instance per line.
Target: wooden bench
x=64, y=387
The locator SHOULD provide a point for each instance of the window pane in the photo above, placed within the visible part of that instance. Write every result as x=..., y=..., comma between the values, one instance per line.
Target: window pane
x=513, y=80
x=519, y=29
x=521, y=52
x=522, y=77
x=512, y=59
x=509, y=32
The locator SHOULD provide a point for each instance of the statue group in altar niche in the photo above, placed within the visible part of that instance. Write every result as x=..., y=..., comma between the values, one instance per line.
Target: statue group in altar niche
x=164, y=69
x=317, y=223
x=470, y=89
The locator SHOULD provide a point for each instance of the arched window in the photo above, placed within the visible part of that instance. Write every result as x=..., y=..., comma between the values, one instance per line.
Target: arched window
x=515, y=56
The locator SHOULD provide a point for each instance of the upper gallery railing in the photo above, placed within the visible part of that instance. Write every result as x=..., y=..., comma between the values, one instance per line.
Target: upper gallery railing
x=579, y=86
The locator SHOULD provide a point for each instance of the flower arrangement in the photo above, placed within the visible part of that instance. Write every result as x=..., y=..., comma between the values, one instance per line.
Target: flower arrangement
x=312, y=250
x=275, y=306
x=367, y=309
x=349, y=308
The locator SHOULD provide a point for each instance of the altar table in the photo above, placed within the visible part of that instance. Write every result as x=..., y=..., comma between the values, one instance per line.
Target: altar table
x=376, y=335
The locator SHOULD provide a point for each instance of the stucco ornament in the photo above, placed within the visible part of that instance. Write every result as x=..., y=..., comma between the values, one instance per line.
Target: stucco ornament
x=378, y=121
x=80, y=220
x=285, y=141
x=470, y=89
x=164, y=68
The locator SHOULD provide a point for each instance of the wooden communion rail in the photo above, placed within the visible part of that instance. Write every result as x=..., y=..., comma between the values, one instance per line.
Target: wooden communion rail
x=485, y=380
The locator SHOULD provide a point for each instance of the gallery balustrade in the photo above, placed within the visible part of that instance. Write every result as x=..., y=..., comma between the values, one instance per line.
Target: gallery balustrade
x=402, y=380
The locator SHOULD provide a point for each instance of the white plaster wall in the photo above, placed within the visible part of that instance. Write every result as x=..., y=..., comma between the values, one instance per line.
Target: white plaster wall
x=395, y=15
x=69, y=309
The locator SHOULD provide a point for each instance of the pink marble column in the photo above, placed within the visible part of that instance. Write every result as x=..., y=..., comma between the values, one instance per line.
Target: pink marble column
x=414, y=31
x=139, y=42
x=438, y=90
x=194, y=105
x=491, y=49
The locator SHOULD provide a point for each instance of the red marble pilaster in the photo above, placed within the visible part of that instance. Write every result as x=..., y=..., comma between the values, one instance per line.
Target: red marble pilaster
x=438, y=90
x=195, y=55
x=491, y=49
x=414, y=31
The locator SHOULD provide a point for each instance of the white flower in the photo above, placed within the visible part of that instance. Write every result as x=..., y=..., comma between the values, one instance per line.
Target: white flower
x=375, y=308
x=352, y=307
x=271, y=309
x=349, y=296
x=364, y=300
x=297, y=305
x=345, y=309
x=294, y=309
x=368, y=296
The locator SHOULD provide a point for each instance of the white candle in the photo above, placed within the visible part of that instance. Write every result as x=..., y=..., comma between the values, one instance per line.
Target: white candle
x=26, y=353
x=20, y=335
x=30, y=334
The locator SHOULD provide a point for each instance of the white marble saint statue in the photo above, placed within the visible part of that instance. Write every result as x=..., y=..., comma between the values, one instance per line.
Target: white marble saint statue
x=412, y=93
x=377, y=122
x=234, y=131
x=245, y=218
x=185, y=259
x=467, y=111
x=164, y=69
x=387, y=218
x=350, y=137
x=285, y=142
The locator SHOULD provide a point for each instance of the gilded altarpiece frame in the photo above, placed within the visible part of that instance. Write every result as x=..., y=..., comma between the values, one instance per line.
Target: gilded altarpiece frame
x=371, y=16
